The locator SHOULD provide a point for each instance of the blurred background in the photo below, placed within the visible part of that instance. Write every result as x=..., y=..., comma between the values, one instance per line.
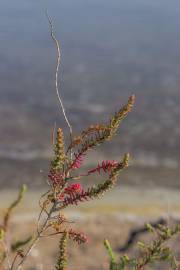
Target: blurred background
x=110, y=50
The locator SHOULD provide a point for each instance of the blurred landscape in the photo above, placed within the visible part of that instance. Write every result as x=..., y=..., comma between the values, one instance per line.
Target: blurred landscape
x=110, y=50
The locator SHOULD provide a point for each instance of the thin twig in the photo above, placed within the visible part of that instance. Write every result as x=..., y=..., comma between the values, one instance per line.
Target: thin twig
x=42, y=210
x=36, y=238
x=51, y=234
x=6, y=252
x=53, y=134
x=13, y=263
x=56, y=42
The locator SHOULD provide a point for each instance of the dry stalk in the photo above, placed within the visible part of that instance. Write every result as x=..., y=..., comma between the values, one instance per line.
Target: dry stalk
x=57, y=45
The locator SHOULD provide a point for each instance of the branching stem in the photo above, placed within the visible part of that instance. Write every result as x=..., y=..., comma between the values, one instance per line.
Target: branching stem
x=36, y=238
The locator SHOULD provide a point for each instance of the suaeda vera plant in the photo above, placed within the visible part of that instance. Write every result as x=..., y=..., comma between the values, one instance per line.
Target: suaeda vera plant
x=64, y=188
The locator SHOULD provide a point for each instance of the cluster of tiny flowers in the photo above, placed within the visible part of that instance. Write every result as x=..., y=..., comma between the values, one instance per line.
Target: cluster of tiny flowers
x=106, y=166
x=78, y=237
x=79, y=158
x=74, y=188
x=71, y=190
x=56, y=178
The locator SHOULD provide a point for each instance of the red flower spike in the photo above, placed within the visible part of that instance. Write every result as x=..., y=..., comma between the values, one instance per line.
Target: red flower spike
x=106, y=166
x=77, y=162
x=60, y=197
x=56, y=178
x=75, y=198
x=80, y=238
x=70, y=191
x=74, y=188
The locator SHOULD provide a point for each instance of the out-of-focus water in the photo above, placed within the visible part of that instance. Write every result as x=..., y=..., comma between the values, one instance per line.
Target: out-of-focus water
x=110, y=49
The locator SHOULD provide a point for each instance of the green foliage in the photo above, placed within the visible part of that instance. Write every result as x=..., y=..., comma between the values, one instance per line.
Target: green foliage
x=97, y=134
x=62, y=258
x=20, y=243
x=4, y=229
x=14, y=205
x=150, y=253
x=111, y=254
x=59, y=152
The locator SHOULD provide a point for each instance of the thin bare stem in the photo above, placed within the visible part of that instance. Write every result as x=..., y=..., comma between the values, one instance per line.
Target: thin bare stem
x=13, y=263
x=51, y=234
x=6, y=252
x=36, y=238
x=57, y=45
x=53, y=133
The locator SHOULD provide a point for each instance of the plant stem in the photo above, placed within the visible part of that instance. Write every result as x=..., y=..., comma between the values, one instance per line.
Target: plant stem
x=36, y=238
